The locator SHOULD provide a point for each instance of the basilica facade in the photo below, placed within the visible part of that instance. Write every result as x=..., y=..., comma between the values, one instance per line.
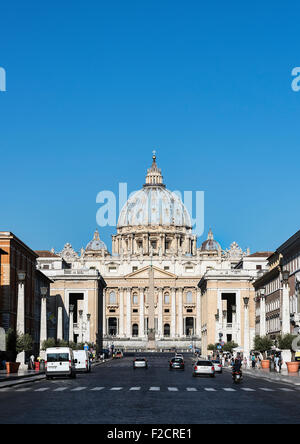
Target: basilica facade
x=151, y=291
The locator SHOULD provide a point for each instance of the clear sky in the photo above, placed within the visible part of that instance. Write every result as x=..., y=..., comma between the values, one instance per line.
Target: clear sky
x=93, y=87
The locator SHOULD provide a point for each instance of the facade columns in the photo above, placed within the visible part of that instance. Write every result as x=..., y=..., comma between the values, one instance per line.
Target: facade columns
x=104, y=329
x=286, y=326
x=173, y=313
x=71, y=323
x=121, y=311
x=262, y=327
x=43, y=326
x=198, y=314
x=128, y=315
x=160, y=314
x=142, y=314
x=180, y=313
x=60, y=323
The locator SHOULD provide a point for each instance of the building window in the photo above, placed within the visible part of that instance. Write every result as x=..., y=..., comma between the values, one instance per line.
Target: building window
x=167, y=330
x=135, y=330
x=112, y=269
x=189, y=269
x=134, y=269
x=167, y=310
x=135, y=299
x=112, y=326
x=135, y=310
x=112, y=297
x=258, y=267
x=167, y=298
x=189, y=297
x=166, y=268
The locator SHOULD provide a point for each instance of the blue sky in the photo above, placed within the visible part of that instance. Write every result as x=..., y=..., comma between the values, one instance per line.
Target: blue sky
x=93, y=87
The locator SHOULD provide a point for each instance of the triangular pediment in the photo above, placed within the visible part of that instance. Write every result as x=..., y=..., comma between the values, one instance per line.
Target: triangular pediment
x=143, y=273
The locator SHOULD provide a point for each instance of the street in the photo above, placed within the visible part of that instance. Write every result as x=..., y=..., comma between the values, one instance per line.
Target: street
x=114, y=393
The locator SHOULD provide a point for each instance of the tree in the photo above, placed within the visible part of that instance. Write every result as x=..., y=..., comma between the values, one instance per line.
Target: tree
x=24, y=343
x=49, y=343
x=212, y=347
x=229, y=346
x=262, y=344
x=285, y=342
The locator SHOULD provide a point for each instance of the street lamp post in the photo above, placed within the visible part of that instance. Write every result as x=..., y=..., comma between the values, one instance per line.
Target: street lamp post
x=286, y=327
x=246, y=328
x=80, y=326
x=21, y=312
x=263, y=328
x=88, y=318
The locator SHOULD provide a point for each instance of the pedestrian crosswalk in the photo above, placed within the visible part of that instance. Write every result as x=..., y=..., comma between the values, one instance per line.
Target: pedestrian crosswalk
x=153, y=389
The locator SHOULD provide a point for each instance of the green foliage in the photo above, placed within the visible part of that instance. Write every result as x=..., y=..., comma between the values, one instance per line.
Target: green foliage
x=229, y=346
x=50, y=342
x=24, y=343
x=212, y=347
x=285, y=342
x=262, y=343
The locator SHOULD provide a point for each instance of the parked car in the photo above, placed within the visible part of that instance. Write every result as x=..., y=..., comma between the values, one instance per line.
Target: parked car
x=118, y=354
x=178, y=355
x=204, y=368
x=218, y=366
x=140, y=363
x=176, y=363
x=60, y=362
x=82, y=361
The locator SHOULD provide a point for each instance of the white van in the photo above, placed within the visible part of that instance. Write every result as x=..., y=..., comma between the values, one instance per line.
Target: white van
x=60, y=362
x=82, y=361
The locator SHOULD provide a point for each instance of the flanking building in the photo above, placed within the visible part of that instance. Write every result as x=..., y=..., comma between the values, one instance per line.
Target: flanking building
x=278, y=292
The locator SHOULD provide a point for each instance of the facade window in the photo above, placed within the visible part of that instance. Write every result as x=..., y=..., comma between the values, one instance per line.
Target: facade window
x=135, y=299
x=258, y=267
x=112, y=269
x=166, y=268
x=189, y=269
x=167, y=330
x=112, y=326
x=135, y=330
x=134, y=269
x=189, y=297
x=112, y=297
x=167, y=298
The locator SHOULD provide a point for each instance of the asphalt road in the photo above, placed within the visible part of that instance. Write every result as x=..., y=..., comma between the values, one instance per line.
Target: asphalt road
x=114, y=393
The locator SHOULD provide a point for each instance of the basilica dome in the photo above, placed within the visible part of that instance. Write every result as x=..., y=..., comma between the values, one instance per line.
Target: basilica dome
x=210, y=244
x=154, y=205
x=96, y=244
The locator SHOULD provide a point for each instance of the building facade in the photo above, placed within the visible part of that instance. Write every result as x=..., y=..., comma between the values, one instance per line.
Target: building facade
x=278, y=292
x=151, y=294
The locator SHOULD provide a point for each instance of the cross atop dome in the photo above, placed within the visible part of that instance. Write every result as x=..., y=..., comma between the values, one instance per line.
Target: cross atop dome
x=154, y=176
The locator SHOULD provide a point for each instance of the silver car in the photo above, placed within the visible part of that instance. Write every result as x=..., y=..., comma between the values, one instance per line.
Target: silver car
x=204, y=368
x=140, y=363
x=218, y=366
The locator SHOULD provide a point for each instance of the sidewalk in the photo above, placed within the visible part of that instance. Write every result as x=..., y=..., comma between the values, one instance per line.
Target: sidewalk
x=26, y=376
x=283, y=377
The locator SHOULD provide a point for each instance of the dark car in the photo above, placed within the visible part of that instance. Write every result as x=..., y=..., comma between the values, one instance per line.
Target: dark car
x=176, y=363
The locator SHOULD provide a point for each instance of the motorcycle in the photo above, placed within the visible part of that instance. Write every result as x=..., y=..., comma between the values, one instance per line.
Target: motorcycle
x=237, y=377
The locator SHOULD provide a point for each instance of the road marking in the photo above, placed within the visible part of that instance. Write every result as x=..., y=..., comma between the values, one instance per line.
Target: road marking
x=154, y=389
x=97, y=389
x=135, y=389
x=248, y=390
x=116, y=388
x=210, y=390
x=266, y=390
x=60, y=389
x=191, y=389
x=23, y=390
x=286, y=390
x=42, y=389
x=78, y=389
x=173, y=389
x=229, y=390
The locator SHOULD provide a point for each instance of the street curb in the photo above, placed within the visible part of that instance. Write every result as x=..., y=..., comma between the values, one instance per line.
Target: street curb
x=25, y=380
x=267, y=378
x=33, y=378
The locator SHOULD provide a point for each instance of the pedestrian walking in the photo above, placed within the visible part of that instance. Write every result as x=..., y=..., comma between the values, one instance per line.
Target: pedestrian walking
x=253, y=361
